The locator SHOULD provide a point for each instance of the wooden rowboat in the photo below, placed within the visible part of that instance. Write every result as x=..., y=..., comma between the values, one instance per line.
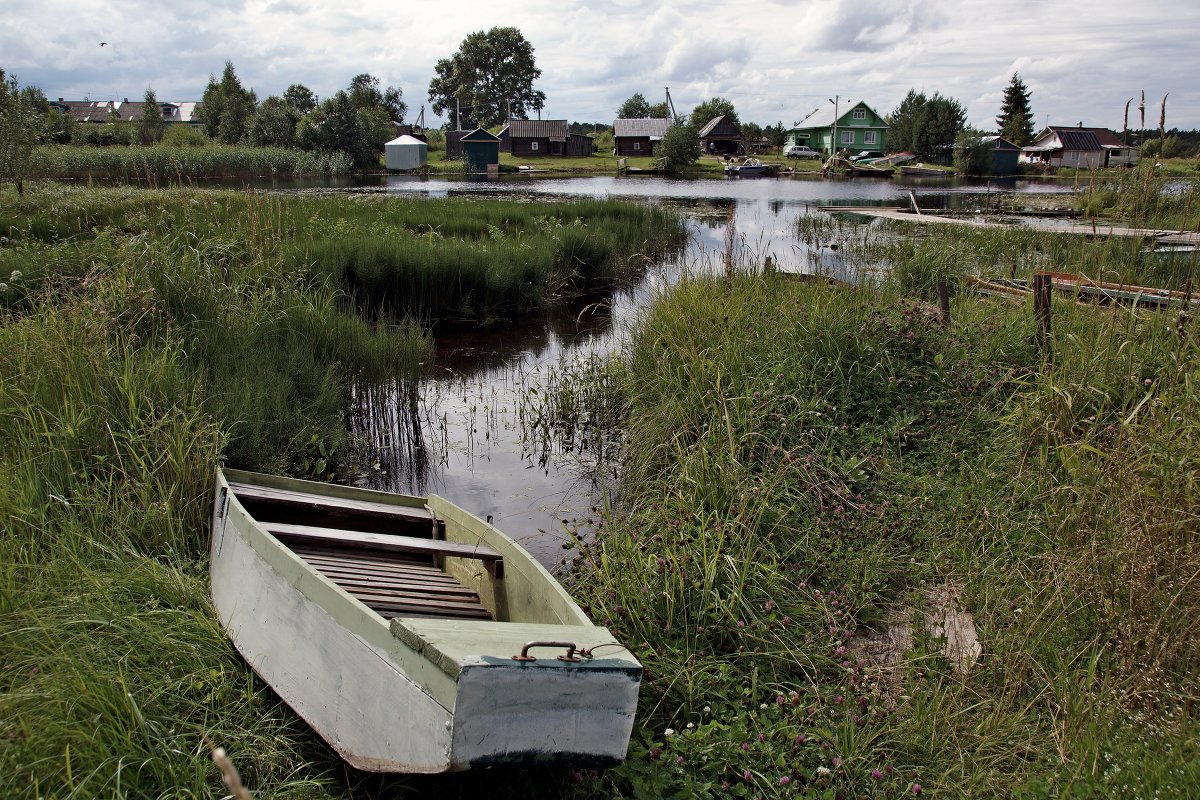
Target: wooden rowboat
x=410, y=634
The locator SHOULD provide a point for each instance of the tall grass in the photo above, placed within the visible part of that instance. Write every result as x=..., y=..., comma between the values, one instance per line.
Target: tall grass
x=126, y=375
x=165, y=164
x=803, y=459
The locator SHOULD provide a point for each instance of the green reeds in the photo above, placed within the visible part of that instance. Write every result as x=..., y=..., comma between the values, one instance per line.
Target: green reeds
x=165, y=165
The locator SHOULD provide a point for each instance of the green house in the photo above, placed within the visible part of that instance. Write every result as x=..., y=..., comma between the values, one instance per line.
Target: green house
x=480, y=149
x=853, y=126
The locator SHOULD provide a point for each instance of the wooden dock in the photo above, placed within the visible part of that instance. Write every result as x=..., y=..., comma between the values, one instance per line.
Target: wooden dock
x=1057, y=225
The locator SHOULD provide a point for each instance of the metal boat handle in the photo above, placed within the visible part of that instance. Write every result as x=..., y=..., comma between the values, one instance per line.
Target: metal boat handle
x=569, y=656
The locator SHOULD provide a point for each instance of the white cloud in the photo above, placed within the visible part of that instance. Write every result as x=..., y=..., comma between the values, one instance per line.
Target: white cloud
x=777, y=60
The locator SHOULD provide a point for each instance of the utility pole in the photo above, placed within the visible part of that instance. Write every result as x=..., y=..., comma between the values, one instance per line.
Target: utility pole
x=833, y=139
x=671, y=107
x=457, y=114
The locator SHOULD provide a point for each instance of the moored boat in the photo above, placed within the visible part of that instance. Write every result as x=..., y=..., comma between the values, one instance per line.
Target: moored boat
x=411, y=635
x=922, y=171
x=749, y=167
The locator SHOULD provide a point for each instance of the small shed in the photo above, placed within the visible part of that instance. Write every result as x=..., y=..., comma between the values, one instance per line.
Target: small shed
x=480, y=149
x=406, y=152
x=1005, y=155
x=722, y=136
x=639, y=137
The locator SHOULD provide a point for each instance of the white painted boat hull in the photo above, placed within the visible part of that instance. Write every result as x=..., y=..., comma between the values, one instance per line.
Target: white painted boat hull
x=422, y=695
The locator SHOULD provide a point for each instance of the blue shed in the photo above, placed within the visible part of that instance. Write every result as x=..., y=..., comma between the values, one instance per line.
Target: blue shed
x=1004, y=155
x=480, y=149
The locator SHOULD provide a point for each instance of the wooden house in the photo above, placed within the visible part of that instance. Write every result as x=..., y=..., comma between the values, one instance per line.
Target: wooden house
x=102, y=111
x=1085, y=148
x=1005, y=155
x=722, y=136
x=835, y=128
x=536, y=137
x=639, y=137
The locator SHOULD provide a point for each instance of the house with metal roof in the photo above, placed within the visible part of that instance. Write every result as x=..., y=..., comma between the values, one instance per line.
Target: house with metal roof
x=1077, y=146
x=549, y=137
x=639, y=137
x=1004, y=155
x=101, y=111
x=832, y=128
x=722, y=136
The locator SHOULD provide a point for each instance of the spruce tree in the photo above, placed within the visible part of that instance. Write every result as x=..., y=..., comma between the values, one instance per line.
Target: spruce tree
x=1016, y=117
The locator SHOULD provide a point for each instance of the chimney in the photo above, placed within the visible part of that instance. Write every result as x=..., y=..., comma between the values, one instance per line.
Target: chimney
x=1081, y=123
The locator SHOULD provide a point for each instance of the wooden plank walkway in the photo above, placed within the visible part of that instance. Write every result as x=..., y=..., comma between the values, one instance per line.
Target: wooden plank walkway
x=1077, y=227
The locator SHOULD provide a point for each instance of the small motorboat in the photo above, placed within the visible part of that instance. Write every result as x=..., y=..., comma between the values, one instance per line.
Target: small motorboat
x=411, y=635
x=748, y=167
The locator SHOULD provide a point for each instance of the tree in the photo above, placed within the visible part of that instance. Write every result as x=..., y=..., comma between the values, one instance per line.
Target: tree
x=337, y=125
x=491, y=77
x=680, y=147
x=928, y=126
x=150, y=125
x=20, y=128
x=274, y=124
x=300, y=97
x=659, y=110
x=709, y=110
x=227, y=107
x=1016, y=117
x=636, y=107
x=365, y=94
x=973, y=153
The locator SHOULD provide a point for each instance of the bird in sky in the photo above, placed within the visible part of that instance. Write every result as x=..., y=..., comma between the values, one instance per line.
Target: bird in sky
x=102, y=44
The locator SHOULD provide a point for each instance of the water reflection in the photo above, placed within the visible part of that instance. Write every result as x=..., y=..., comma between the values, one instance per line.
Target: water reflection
x=475, y=430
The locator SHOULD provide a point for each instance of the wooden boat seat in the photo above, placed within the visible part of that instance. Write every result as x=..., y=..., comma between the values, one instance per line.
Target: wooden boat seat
x=267, y=504
x=393, y=584
x=492, y=561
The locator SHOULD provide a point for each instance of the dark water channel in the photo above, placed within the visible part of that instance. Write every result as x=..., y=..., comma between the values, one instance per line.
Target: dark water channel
x=465, y=433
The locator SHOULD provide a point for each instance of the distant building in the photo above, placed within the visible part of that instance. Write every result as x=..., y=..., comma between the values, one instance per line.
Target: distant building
x=858, y=127
x=406, y=153
x=480, y=150
x=102, y=111
x=1005, y=155
x=722, y=136
x=1084, y=148
x=639, y=137
x=550, y=137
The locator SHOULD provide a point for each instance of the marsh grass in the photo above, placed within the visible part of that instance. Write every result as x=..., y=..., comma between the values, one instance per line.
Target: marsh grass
x=165, y=165
x=802, y=458
x=137, y=356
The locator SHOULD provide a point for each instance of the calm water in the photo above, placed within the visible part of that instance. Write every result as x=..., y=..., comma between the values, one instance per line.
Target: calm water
x=461, y=433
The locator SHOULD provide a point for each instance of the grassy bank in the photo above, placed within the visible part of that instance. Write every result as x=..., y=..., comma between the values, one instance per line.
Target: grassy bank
x=145, y=336
x=806, y=463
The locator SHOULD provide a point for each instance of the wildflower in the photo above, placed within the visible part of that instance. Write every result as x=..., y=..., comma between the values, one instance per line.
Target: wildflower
x=678, y=759
x=745, y=745
x=785, y=621
x=576, y=777
x=655, y=752
x=747, y=775
x=669, y=732
x=1148, y=381
x=916, y=788
x=801, y=738
x=762, y=706
x=876, y=774
x=707, y=709
x=741, y=623
x=762, y=737
x=837, y=762
x=785, y=780
x=822, y=771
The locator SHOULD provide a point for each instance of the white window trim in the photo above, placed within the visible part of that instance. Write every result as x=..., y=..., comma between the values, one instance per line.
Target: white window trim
x=847, y=137
x=869, y=137
x=533, y=145
x=637, y=145
x=860, y=113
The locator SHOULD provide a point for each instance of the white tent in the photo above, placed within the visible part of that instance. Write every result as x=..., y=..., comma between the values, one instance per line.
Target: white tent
x=406, y=152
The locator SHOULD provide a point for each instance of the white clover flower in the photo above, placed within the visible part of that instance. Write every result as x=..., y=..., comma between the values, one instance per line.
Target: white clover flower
x=3, y=287
x=669, y=732
x=691, y=725
x=15, y=275
x=822, y=771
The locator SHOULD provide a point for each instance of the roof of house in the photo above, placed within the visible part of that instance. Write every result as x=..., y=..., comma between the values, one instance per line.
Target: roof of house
x=824, y=116
x=480, y=135
x=1064, y=139
x=720, y=126
x=654, y=127
x=125, y=110
x=552, y=129
x=1000, y=142
x=1106, y=137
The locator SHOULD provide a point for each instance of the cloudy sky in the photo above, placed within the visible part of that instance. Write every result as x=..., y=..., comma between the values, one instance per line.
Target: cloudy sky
x=776, y=61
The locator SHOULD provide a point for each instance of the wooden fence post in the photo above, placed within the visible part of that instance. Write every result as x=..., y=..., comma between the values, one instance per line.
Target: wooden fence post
x=1041, y=307
x=943, y=293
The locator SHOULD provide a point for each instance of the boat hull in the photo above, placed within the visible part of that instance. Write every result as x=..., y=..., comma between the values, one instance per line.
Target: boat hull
x=421, y=695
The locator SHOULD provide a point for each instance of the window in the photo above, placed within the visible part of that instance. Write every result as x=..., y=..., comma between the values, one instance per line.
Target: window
x=847, y=137
x=533, y=145
x=637, y=145
x=869, y=137
x=860, y=113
